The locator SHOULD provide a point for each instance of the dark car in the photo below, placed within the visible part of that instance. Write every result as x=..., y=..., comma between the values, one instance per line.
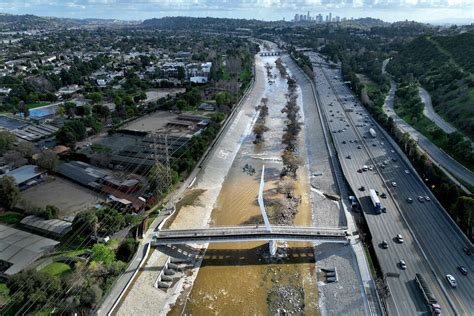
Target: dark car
x=467, y=251
x=362, y=188
x=349, y=157
x=384, y=244
x=463, y=270
x=383, y=195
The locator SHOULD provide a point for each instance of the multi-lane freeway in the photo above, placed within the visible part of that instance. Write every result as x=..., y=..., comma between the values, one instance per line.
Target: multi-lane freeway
x=433, y=244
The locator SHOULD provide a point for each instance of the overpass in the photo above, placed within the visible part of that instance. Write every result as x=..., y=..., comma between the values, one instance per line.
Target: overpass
x=250, y=233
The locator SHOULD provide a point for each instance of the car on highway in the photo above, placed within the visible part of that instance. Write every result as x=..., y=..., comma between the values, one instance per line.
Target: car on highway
x=463, y=270
x=409, y=200
x=384, y=244
x=394, y=184
x=358, y=147
x=383, y=195
x=403, y=265
x=406, y=171
x=421, y=199
x=467, y=251
x=451, y=280
x=362, y=188
x=344, y=142
x=427, y=198
x=359, y=170
x=349, y=157
x=399, y=239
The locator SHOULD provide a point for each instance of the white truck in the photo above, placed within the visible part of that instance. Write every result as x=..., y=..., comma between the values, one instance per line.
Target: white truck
x=375, y=201
x=372, y=132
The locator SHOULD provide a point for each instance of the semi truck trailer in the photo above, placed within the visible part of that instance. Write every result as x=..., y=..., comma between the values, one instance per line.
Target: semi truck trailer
x=375, y=201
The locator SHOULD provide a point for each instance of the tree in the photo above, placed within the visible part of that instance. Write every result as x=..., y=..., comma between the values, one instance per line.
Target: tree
x=193, y=97
x=86, y=222
x=101, y=111
x=218, y=117
x=69, y=108
x=9, y=192
x=7, y=140
x=84, y=110
x=463, y=212
x=90, y=295
x=27, y=149
x=33, y=286
x=95, y=97
x=126, y=249
x=23, y=109
x=181, y=73
x=181, y=104
x=102, y=253
x=223, y=98
x=15, y=158
x=48, y=160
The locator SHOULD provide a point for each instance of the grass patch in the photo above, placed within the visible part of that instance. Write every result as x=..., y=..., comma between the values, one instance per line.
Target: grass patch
x=225, y=74
x=72, y=253
x=11, y=218
x=37, y=104
x=4, y=293
x=372, y=87
x=369, y=260
x=56, y=268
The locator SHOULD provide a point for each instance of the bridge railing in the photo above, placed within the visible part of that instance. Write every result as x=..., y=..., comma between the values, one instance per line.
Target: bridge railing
x=246, y=226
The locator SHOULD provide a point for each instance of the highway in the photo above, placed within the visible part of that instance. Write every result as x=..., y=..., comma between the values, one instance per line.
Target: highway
x=433, y=243
x=430, y=113
x=250, y=233
x=438, y=155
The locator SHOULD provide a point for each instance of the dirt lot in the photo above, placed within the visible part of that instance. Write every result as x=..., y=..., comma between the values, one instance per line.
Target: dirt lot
x=69, y=197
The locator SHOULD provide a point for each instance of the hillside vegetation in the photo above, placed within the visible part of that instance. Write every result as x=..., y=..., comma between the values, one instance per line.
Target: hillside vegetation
x=444, y=66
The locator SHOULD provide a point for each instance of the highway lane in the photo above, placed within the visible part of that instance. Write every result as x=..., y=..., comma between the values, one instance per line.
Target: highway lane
x=439, y=237
x=430, y=113
x=436, y=233
x=438, y=155
x=388, y=258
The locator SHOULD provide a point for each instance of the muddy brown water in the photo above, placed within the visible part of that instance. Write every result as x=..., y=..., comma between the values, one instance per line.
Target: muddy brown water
x=240, y=278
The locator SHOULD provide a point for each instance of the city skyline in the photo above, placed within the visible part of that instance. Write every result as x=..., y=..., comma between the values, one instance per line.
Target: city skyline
x=387, y=10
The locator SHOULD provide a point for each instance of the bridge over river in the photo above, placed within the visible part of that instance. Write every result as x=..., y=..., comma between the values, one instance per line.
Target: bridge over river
x=250, y=233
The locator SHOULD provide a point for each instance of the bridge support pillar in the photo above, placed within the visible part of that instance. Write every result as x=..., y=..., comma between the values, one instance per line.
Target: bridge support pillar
x=273, y=247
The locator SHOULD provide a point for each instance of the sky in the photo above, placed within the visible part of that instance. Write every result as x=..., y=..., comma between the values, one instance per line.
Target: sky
x=388, y=10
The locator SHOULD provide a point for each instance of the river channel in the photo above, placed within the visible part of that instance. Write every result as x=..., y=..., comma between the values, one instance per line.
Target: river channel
x=241, y=278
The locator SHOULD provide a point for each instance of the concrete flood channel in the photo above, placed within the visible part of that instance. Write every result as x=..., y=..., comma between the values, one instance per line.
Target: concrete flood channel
x=242, y=276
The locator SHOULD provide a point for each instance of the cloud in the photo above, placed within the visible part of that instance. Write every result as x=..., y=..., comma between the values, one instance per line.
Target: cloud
x=262, y=9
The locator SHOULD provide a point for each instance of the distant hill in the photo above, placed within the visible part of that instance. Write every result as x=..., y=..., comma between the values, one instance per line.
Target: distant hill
x=10, y=22
x=191, y=23
x=444, y=65
x=20, y=22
